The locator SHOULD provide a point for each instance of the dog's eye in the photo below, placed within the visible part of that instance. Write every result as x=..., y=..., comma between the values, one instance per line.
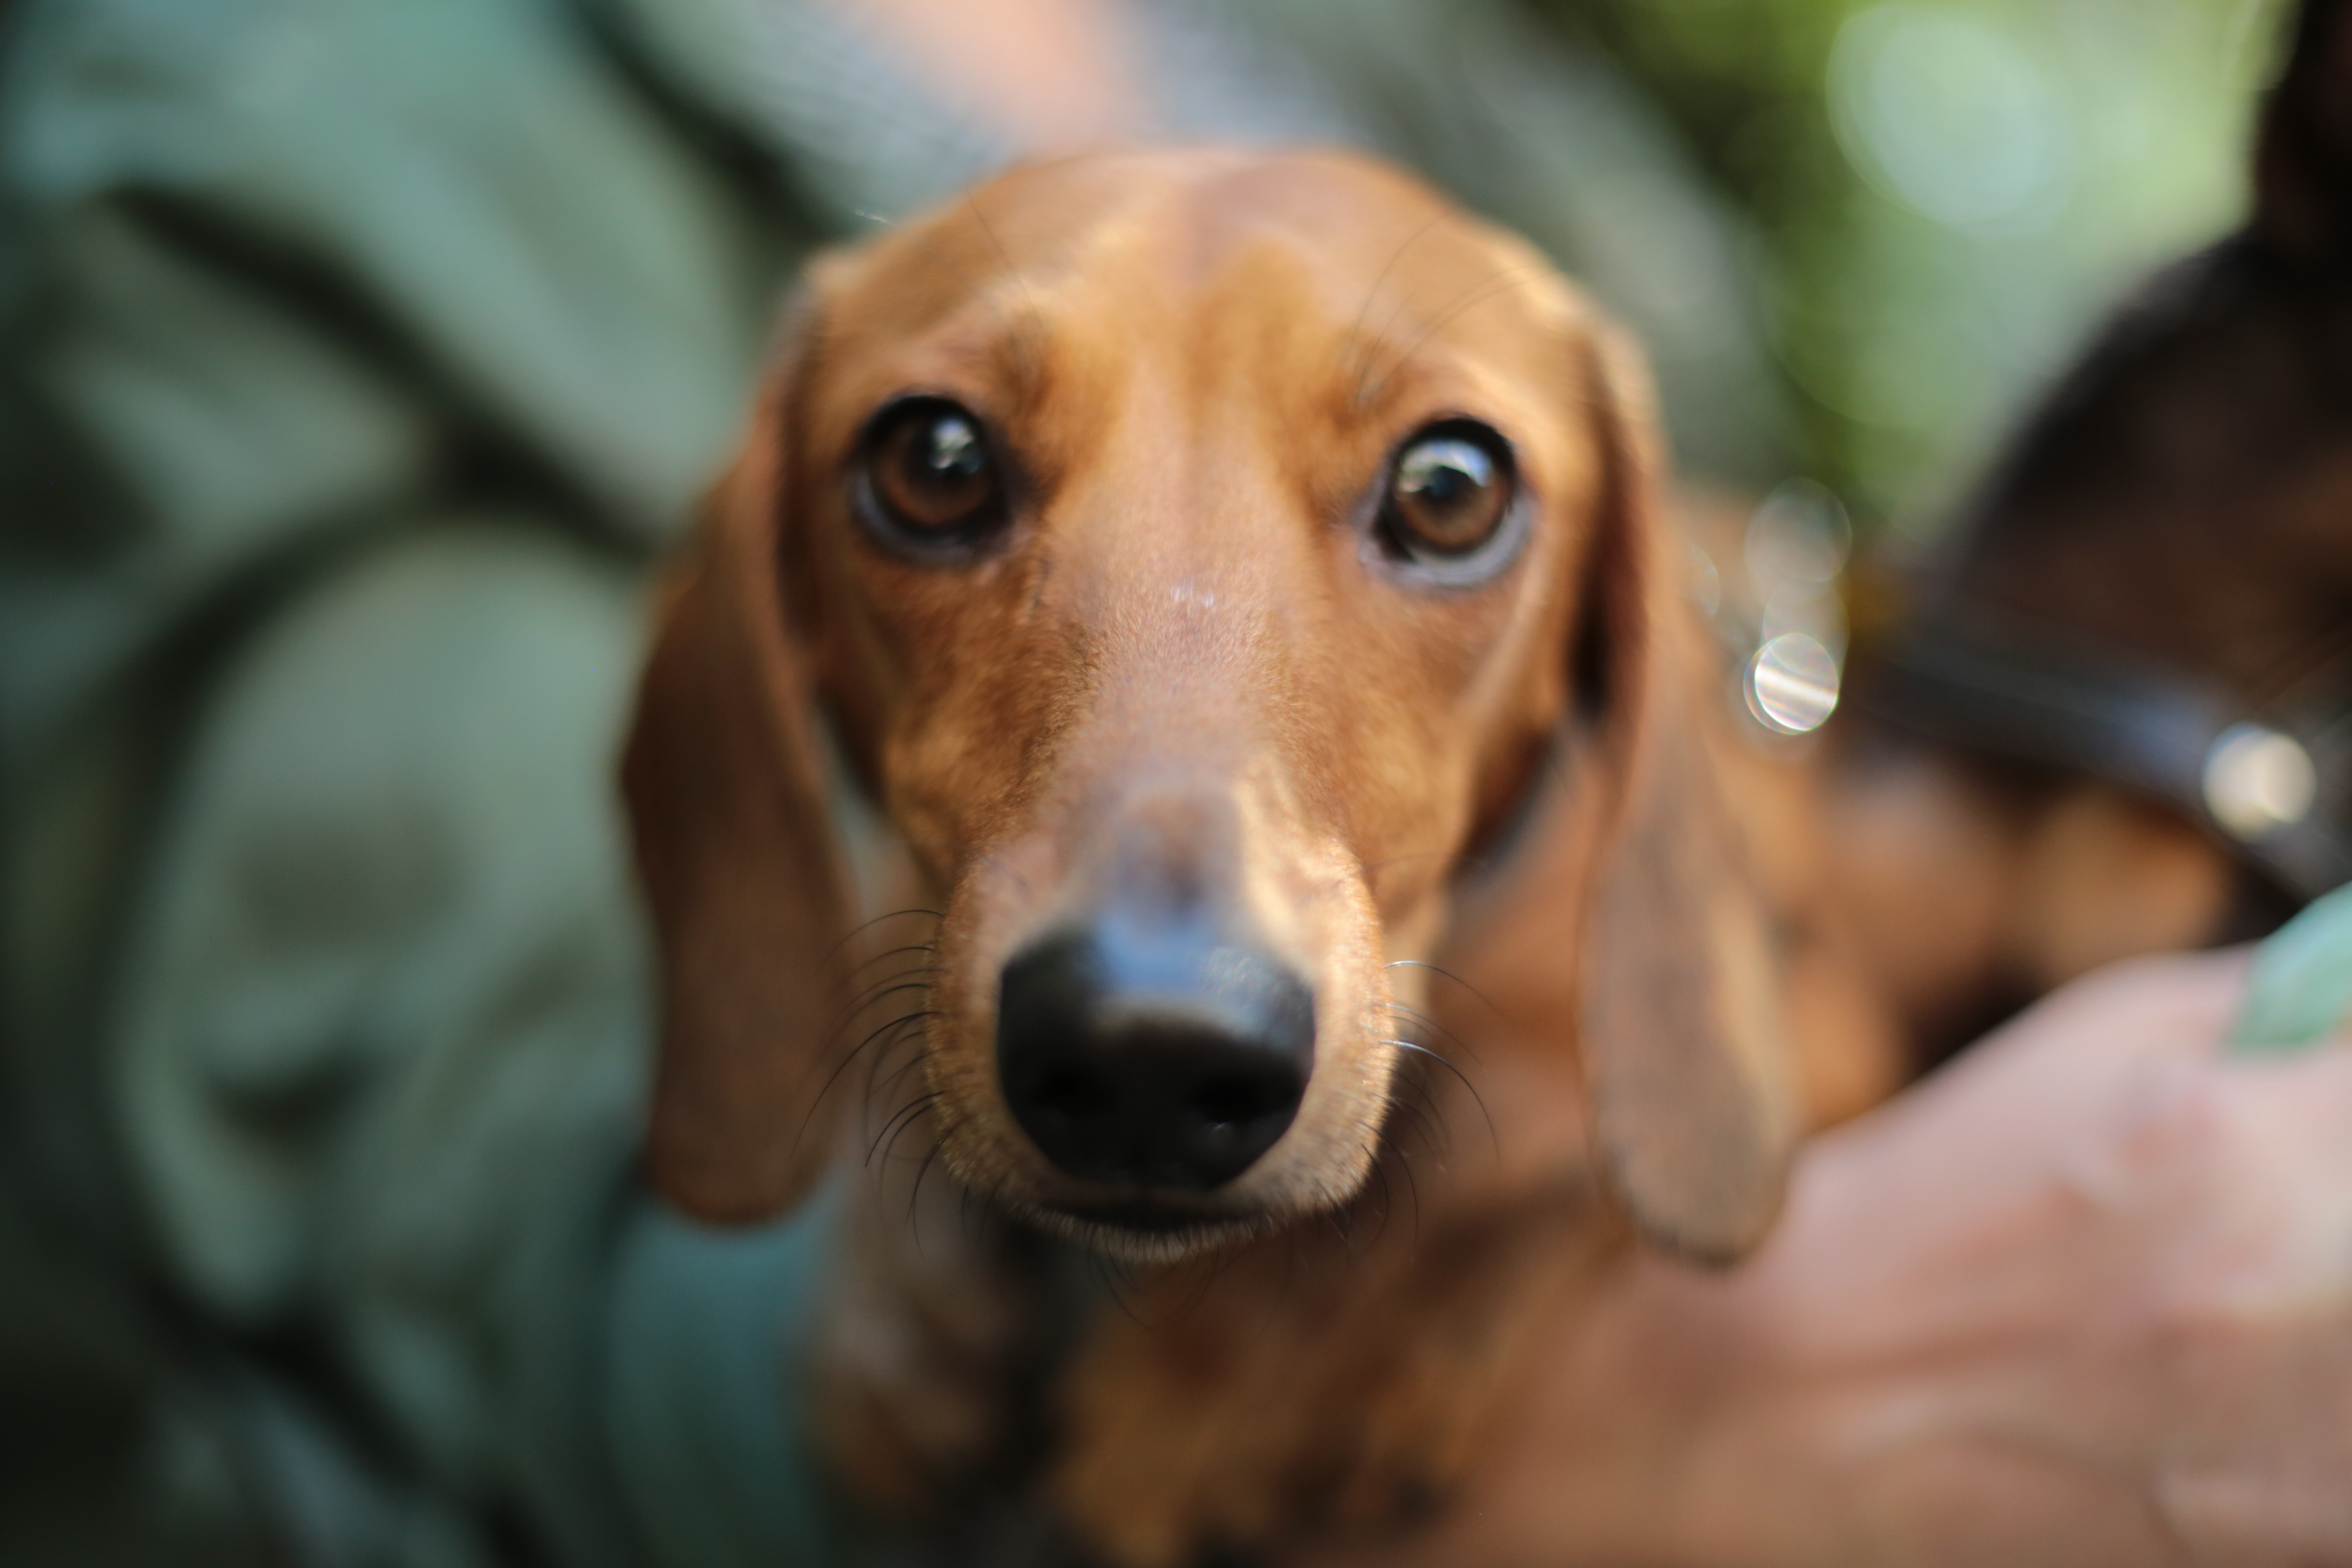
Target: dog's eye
x=929, y=472
x=1448, y=492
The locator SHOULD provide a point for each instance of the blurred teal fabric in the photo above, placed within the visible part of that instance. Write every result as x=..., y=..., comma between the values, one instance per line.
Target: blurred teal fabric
x=360, y=361
x=398, y=340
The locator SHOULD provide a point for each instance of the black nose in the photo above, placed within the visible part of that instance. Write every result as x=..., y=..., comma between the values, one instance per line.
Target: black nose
x=1157, y=1058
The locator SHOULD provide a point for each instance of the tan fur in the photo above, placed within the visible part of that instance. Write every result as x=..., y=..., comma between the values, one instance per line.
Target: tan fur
x=1198, y=363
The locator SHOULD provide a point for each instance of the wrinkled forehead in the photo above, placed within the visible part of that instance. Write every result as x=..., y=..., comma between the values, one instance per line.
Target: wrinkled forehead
x=1204, y=262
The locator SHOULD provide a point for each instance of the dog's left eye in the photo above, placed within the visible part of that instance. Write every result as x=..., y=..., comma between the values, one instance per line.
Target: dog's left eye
x=1448, y=492
x=929, y=472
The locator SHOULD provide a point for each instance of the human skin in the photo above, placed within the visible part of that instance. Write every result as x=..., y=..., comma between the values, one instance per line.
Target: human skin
x=2083, y=1298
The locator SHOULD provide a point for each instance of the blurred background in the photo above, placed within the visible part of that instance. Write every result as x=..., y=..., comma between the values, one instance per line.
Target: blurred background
x=293, y=289
x=1929, y=203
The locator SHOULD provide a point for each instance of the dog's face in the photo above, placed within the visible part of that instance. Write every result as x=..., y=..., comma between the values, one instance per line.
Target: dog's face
x=1189, y=625
x=1196, y=555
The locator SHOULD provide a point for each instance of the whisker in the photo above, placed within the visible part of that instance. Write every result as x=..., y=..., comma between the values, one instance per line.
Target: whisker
x=841, y=1026
x=860, y=929
x=1447, y=974
x=849, y=1056
x=1501, y=283
x=1412, y=1189
x=1357, y=342
x=908, y=1030
x=1371, y=349
x=888, y=986
x=855, y=971
x=1387, y=1202
x=877, y=1084
x=901, y=1119
x=1445, y=1036
x=915, y=1197
x=1421, y=1115
x=1492, y=1136
x=1112, y=1275
x=877, y=1032
x=890, y=1149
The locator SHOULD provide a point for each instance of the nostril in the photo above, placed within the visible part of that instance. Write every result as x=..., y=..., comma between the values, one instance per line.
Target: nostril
x=1070, y=1091
x=1231, y=1099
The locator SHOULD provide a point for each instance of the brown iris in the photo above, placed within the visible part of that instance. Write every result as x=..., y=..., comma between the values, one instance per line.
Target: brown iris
x=929, y=475
x=1448, y=492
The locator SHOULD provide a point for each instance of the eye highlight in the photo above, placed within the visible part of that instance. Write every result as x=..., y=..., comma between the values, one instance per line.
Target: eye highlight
x=927, y=478
x=1449, y=492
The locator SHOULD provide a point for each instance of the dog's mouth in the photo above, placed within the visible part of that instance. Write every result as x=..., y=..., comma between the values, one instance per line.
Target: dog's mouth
x=1146, y=1228
x=1148, y=1219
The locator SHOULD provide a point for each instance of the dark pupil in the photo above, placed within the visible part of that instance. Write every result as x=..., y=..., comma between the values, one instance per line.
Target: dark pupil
x=937, y=474
x=1446, y=493
x=1441, y=487
x=1442, y=475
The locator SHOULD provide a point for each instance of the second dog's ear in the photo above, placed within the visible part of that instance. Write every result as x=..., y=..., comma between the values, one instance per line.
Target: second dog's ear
x=1625, y=915
x=725, y=785
x=2303, y=152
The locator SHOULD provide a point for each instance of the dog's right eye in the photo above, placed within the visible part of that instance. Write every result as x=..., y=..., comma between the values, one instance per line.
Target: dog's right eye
x=929, y=477
x=1449, y=501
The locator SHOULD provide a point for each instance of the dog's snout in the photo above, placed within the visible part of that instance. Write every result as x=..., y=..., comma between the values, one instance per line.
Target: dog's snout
x=1162, y=1057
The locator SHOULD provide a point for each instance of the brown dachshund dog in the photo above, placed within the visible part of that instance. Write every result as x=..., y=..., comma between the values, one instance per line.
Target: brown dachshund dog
x=1180, y=743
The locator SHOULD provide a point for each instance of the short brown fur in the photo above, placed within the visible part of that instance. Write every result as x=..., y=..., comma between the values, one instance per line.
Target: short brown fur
x=1488, y=821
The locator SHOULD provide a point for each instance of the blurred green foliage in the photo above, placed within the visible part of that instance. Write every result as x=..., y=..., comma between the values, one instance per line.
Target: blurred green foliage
x=1944, y=194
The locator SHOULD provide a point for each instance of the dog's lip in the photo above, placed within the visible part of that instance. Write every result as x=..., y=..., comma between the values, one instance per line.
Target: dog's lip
x=1144, y=1231
x=1148, y=1216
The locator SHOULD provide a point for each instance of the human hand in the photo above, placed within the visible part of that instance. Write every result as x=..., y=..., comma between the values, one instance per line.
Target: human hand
x=2086, y=1297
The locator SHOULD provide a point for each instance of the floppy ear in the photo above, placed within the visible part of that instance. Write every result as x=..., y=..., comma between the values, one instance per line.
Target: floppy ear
x=726, y=787
x=1625, y=914
x=1684, y=1057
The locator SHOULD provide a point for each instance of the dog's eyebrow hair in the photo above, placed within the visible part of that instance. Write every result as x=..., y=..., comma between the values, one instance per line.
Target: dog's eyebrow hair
x=1036, y=317
x=1361, y=345
x=944, y=257
x=1501, y=282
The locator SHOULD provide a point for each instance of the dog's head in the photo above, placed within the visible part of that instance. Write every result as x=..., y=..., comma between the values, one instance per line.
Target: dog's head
x=1201, y=559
